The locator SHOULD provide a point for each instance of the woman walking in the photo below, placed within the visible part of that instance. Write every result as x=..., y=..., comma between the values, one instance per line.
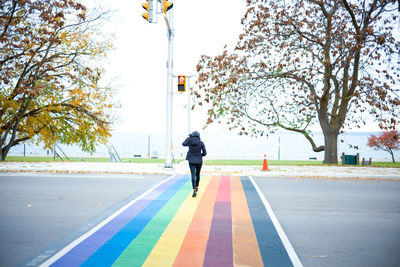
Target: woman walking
x=197, y=150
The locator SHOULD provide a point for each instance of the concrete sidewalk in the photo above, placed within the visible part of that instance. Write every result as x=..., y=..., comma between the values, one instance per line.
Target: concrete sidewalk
x=182, y=168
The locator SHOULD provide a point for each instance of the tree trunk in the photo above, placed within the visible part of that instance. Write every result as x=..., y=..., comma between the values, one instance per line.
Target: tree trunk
x=5, y=150
x=392, y=154
x=3, y=154
x=331, y=155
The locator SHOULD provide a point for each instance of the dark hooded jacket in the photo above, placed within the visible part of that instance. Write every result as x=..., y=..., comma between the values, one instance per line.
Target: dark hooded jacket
x=197, y=149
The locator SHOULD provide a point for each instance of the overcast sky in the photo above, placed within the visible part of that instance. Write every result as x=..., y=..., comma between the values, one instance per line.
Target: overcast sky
x=138, y=64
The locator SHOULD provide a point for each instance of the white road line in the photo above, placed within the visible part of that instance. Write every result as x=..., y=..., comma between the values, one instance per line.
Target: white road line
x=289, y=249
x=97, y=227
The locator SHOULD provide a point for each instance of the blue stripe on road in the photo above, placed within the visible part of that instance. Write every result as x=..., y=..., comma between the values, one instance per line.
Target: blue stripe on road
x=271, y=247
x=81, y=252
x=110, y=251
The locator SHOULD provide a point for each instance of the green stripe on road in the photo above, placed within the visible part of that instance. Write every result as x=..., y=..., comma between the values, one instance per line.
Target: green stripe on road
x=139, y=249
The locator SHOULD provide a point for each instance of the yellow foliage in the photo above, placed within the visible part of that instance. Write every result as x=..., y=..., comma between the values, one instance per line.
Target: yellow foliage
x=59, y=99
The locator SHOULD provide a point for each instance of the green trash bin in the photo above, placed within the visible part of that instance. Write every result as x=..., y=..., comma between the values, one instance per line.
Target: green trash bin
x=350, y=160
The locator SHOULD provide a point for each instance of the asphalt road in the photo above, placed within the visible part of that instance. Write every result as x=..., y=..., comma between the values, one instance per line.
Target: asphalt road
x=338, y=222
x=42, y=213
x=328, y=222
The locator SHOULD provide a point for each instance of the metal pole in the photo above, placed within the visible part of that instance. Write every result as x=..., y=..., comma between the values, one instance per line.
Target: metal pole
x=188, y=104
x=148, y=147
x=279, y=148
x=168, y=141
x=188, y=93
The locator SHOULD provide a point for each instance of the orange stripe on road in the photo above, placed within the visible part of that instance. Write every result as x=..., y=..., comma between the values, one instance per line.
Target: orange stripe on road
x=194, y=245
x=245, y=246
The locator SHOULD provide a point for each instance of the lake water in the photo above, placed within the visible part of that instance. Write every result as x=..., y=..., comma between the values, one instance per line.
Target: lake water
x=284, y=146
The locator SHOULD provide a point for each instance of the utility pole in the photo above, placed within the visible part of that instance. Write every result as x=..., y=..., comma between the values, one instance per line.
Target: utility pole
x=170, y=34
x=151, y=17
x=182, y=88
x=148, y=146
x=279, y=148
x=188, y=104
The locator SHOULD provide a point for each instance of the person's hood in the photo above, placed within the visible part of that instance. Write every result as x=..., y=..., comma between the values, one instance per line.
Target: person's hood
x=194, y=138
x=195, y=134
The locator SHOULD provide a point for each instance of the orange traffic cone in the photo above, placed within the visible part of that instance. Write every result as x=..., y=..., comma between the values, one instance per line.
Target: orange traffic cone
x=265, y=164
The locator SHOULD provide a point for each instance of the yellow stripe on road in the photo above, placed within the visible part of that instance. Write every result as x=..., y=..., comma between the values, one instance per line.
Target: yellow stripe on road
x=167, y=247
x=245, y=246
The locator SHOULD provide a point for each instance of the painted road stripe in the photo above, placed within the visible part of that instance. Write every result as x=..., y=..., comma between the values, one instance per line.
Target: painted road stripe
x=167, y=248
x=139, y=249
x=230, y=223
x=272, y=250
x=245, y=245
x=288, y=246
x=194, y=245
x=219, y=250
x=110, y=251
x=160, y=186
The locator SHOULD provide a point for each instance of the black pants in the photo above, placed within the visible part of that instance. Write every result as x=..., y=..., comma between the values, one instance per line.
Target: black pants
x=195, y=171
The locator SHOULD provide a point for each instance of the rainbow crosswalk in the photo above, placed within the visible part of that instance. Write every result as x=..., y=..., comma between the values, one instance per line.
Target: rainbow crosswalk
x=227, y=224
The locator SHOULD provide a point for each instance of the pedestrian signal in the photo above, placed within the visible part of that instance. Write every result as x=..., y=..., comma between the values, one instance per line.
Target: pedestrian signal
x=166, y=5
x=181, y=83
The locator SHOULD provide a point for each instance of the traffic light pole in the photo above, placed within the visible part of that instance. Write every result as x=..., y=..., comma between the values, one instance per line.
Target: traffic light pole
x=168, y=141
x=188, y=104
x=166, y=5
x=188, y=93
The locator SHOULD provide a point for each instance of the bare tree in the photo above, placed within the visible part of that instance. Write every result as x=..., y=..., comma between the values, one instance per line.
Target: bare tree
x=300, y=63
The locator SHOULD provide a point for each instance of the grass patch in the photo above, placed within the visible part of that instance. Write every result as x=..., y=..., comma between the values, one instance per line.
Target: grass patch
x=386, y=164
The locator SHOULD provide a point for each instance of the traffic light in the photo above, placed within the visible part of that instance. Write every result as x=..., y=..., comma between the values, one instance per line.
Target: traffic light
x=166, y=5
x=181, y=83
x=149, y=8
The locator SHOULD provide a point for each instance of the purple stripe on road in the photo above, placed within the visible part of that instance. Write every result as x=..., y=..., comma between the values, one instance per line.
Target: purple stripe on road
x=219, y=251
x=77, y=255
